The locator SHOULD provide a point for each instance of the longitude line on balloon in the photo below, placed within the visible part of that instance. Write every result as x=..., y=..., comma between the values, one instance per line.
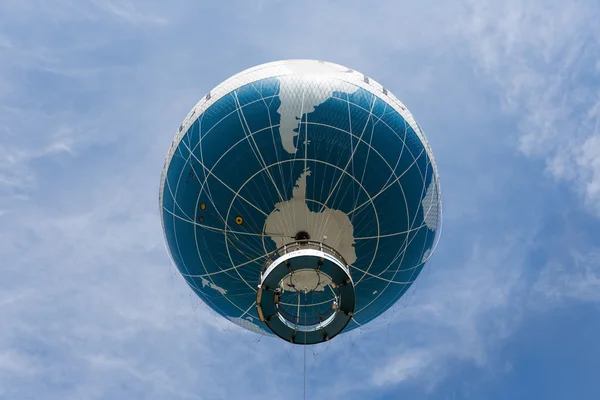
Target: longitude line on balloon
x=367, y=144
x=228, y=269
x=390, y=234
x=316, y=148
x=228, y=187
x=223, y=155
x=321, y=214
x=366, y=161
x=318, y=219
x=351, y=155
x=305, y=165
x=246, y=312
x=414, y=269
x=292, y=181
x=280, y=168
x=295, y=224
x=247, y=243
x=339, y=232
x=225, y=222
x=215, y=229
x=254, y=182
x=175, y=202
x=257, y=153
x=227, y=239
x=385, y=187
x=192, y=284
x=403, y=140
x=352, y=149
x=350, y=134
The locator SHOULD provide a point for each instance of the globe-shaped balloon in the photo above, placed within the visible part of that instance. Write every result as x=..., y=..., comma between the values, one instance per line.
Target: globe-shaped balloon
x=300, y=198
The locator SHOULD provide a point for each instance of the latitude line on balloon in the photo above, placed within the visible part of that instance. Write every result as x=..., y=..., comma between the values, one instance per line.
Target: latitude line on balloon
x=402, y=249
x=367, y=160
x=192, y=284
x=175, y=202
x=353, y=174
x=352, y=142
x=403, y=252
x=386, y=187
x=225, y=221
x=406, y=127
x=341, y=176
x=293, y=218
x=219, y=230
x=233, y=199
x=205, y=183
x=250, y=139
x=195, y=230
x=257, y=153
x=275, y=147
x=351, y=155
x=393, y=173
x=396, y=134
x=380, y=119
x=224, y=184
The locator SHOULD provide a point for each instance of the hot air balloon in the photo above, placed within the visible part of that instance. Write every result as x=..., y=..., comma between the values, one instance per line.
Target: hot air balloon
x=300, y=199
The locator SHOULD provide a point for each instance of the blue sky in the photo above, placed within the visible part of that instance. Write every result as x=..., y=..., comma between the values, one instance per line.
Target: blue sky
x=91, y=94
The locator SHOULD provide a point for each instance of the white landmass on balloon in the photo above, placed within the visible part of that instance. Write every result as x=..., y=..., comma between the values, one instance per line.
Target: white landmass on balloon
x=211, y=285
x=332, y=227
x=299, y=97
x=248, y=323
x=430, y=206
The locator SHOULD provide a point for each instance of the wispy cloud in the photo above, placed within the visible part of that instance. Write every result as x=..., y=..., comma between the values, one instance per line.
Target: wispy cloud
x=578, y=280
x=129, y=12
x=450, y=318
x=542, y=57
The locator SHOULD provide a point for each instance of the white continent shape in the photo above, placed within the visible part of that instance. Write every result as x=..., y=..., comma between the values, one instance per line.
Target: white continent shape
x=332, y=227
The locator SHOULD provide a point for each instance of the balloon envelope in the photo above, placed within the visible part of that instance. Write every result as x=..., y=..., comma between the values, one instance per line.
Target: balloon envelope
x=296, y=150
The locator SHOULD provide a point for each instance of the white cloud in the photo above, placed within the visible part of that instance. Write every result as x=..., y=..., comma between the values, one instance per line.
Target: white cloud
x=541, y=56
x=459, y=313
x=128, y=12
x=578, y=280
x=404, y=366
